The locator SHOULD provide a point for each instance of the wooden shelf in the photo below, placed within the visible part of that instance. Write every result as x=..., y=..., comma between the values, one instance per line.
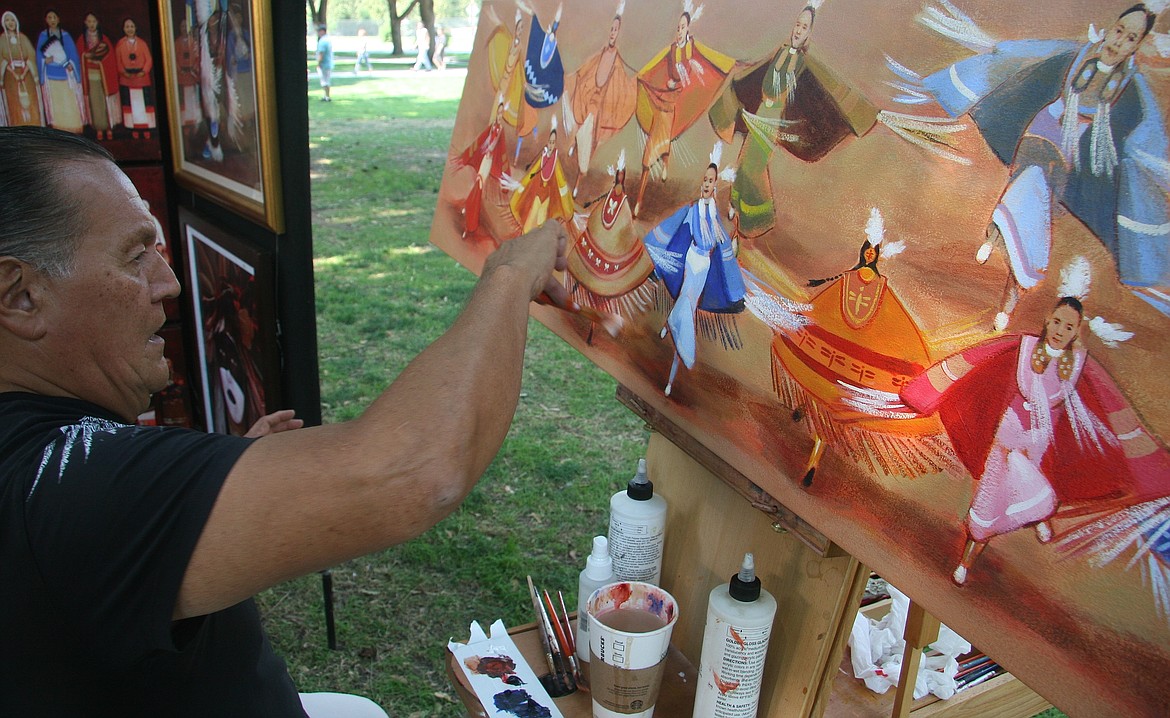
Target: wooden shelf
x=1003, y=696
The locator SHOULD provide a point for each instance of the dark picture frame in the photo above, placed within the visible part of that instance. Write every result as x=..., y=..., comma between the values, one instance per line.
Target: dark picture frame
x=224, y=148
x=233, y=319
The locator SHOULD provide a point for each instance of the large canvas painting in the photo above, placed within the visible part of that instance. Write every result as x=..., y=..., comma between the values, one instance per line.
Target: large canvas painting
x=904, y=265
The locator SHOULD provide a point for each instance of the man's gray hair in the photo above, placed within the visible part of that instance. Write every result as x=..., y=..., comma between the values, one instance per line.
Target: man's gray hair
x=39, y=221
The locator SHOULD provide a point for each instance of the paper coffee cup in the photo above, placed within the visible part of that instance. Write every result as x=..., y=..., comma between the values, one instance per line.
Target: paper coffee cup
x=629, y=634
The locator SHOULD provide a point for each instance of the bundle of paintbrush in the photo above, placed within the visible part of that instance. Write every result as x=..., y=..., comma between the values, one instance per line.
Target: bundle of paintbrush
x=974, y=668
x=556, y=636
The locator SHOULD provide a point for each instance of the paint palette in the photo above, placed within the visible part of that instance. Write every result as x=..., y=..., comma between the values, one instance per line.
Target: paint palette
x=500, y=677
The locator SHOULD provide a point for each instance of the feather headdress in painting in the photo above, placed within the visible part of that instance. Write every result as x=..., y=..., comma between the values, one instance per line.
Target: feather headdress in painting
x=690, y=9
x=621, y=164
x=726, y=174
x=1076, y=279
x=621, y=8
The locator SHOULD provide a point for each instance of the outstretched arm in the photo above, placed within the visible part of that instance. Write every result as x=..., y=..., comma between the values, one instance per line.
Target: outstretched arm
x=300, y=501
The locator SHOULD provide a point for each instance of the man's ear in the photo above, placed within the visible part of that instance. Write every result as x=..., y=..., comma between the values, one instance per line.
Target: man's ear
x=21, y=296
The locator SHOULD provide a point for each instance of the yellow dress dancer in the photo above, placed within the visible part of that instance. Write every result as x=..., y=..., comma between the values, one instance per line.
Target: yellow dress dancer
x=506, y=66
x=543, y=192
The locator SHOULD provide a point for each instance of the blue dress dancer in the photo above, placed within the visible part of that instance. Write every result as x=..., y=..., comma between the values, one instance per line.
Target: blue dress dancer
x=695, y=258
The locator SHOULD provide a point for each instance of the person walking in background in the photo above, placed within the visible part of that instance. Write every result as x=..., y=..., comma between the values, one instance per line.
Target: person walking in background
x=363, y=51
x=423, y=39
x=324, y=61
x=440, y=47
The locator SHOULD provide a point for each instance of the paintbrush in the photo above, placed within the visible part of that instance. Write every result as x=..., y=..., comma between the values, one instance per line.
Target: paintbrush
x=562, y=672
x=567, y=654
x=545, y=639
x=610, y=322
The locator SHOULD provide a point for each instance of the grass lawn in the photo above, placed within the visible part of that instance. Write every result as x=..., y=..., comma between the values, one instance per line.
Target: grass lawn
x=383, y=293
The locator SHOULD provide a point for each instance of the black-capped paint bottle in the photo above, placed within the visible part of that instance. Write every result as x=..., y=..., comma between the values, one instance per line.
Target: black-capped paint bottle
x=598, y=572
x=735, y=642
x=637, y=530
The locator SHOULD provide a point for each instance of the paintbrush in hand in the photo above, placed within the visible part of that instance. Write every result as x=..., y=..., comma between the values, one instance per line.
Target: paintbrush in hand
x=610, y=322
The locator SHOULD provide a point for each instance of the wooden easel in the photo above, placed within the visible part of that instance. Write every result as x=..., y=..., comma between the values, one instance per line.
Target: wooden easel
x=715, y=515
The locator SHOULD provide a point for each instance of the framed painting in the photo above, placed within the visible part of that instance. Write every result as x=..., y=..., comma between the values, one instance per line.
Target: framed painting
x=905, y=266
x=231, y=295
x=218, y=73
x=83, y=67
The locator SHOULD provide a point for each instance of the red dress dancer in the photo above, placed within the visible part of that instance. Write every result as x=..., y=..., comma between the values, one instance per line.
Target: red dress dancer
x=487, y=155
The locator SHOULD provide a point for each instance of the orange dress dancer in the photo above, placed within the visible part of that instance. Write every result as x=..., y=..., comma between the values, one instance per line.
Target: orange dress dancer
x=599, y=100
x=608, y=264
x=488, y=156
x=543, y=192
x=674, y=90
x=861, y=341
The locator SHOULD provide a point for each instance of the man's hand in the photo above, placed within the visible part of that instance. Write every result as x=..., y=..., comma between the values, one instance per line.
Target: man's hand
x=534, y=257
x=274, y=423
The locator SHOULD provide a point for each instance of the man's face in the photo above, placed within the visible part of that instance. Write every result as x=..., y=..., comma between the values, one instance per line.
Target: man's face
x=614, y=28
x=552, y=141
x=129, y=29
x=1123, y=38
x=684, y=27
x=52, y=20
x=91, y=22
x=103, y=318
x=801, y=29
x=10, y=23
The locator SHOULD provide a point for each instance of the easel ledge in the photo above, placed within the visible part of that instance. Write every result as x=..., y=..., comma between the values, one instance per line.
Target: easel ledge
x=784, y=519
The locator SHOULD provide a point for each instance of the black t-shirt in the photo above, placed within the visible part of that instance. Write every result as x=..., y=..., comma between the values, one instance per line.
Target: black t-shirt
x=98, y=520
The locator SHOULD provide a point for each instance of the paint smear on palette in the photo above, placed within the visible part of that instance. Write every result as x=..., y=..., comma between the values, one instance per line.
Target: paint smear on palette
x=520, y=704
x=489, y=661
x=502, y=667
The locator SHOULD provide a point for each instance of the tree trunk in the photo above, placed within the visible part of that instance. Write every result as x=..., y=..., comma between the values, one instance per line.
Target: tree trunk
x=318, y=12
x=426, y=10
x=396, y=19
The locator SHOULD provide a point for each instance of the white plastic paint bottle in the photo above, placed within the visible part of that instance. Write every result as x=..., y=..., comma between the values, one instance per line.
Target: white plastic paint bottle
x=598, y=572
x=735, y=641
x=637, y=530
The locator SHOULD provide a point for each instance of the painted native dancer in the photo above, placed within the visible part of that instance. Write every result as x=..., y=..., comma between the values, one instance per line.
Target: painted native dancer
x=505, y=53
x=1078, y=125
x=861, y=344
x=608, y=264
x=674, y=89
x=488, y=155
x=599, y=99
x=543, y=192
x=695, y=259
x=1043, y=428
x=544, y=73
x=789, y=101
